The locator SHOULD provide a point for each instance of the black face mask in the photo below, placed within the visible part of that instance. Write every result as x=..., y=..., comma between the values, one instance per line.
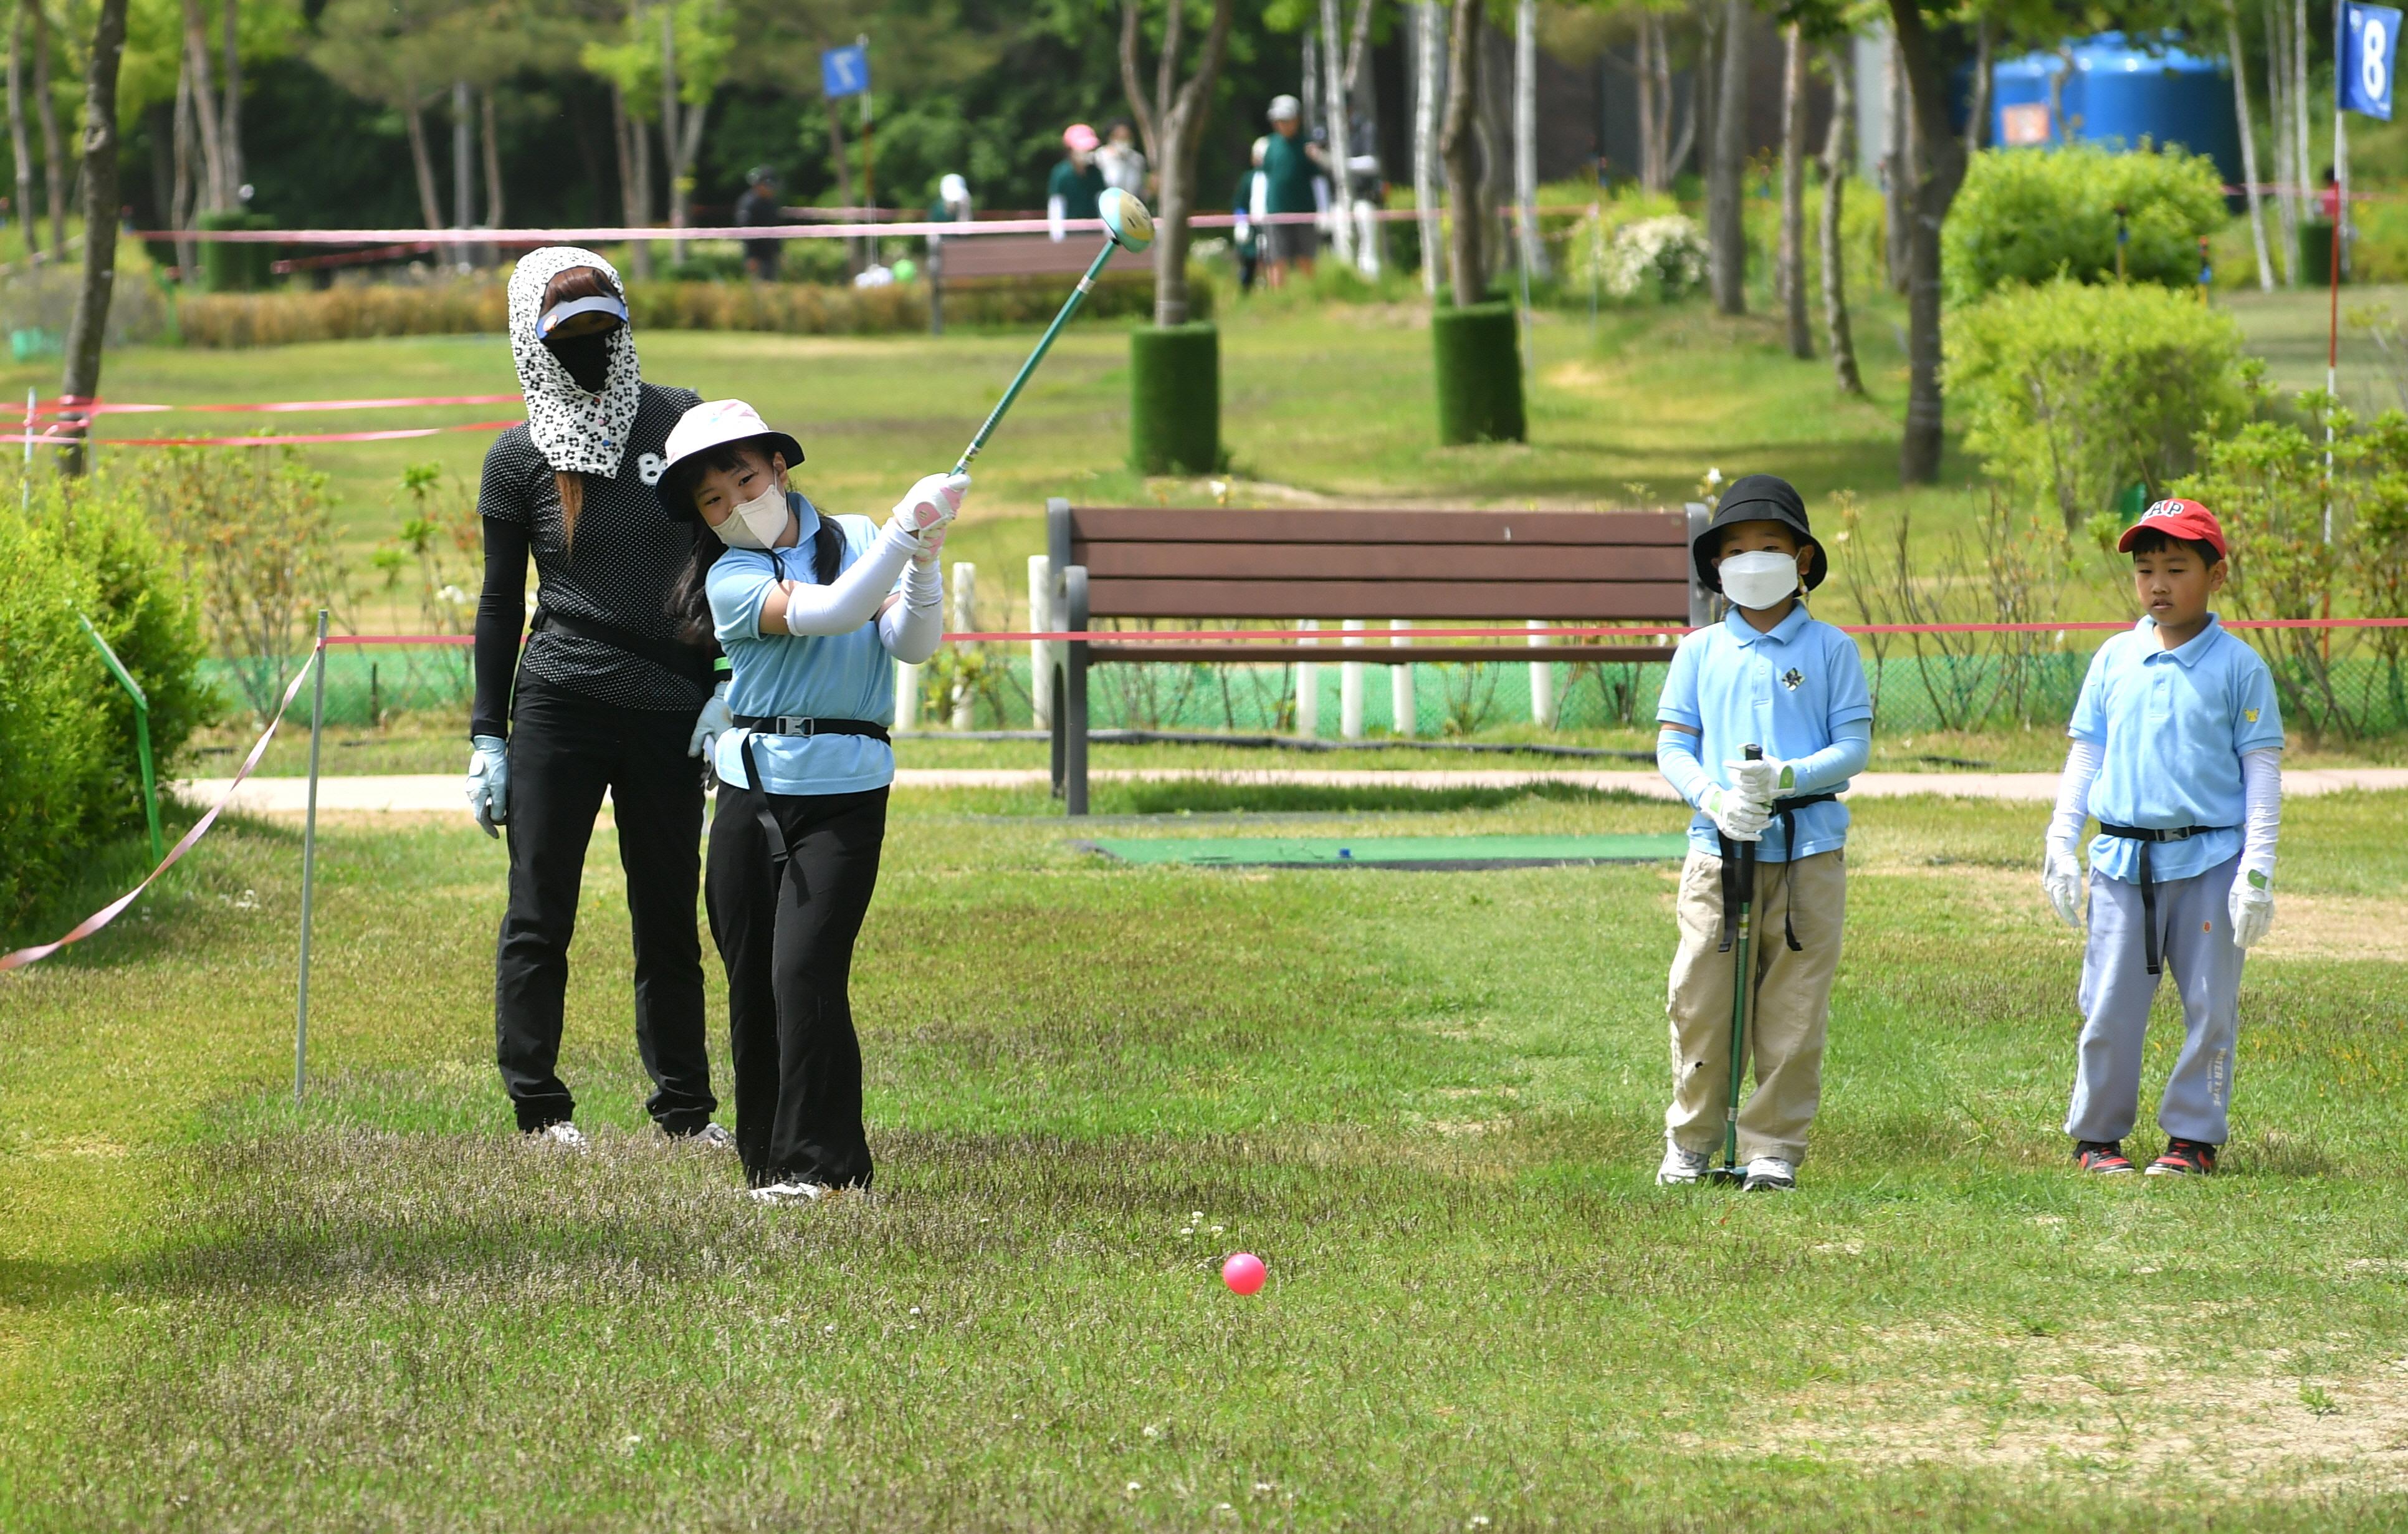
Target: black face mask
x=586, y=357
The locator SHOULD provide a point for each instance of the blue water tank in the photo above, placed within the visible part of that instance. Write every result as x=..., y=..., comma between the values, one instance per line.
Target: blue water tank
x=2115, y=94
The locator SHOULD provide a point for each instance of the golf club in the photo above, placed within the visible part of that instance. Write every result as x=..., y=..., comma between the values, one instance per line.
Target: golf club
x=1127, y=226
x=1739, y=895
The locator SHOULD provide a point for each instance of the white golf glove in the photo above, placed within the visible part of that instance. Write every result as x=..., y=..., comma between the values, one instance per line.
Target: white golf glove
x=2060, y=880
x=1738, y=817
x=929, y=506
x=489, y=782
x=1759, y=780
x=715, y=719
x=2252, y=905
x=930, y=546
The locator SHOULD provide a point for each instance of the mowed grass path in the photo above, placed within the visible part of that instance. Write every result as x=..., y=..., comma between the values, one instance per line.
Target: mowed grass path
x=1430, y=1101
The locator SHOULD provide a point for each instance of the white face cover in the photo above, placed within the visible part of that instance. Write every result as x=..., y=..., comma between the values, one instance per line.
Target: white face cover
x=1758, y=579
x=756, y=523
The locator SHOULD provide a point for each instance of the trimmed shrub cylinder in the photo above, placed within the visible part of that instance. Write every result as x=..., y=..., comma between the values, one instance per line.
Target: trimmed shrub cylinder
x=1479, y=374
x=227, y=268
x=1175, y=399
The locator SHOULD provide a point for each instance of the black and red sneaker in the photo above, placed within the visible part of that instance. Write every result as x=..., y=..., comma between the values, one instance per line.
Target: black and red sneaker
x=2184, y=1158
x=2103, y=1157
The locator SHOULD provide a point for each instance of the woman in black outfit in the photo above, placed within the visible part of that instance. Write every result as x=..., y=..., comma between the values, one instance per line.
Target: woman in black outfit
x=606, y=696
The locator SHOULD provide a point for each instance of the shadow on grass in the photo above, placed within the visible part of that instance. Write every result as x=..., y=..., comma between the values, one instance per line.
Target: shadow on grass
x=1203, y=797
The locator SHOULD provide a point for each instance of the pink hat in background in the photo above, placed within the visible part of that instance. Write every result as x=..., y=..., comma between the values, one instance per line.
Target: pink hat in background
x=1080, y=137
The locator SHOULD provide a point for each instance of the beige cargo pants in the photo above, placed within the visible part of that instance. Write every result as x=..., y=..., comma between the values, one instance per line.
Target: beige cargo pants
x=1785, y=1028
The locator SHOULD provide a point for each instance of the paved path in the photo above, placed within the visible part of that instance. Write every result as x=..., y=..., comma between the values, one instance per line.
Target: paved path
x=444, y=792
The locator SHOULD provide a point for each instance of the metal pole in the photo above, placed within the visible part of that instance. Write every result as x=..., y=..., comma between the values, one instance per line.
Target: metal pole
x=141, y=732
x=310, y=862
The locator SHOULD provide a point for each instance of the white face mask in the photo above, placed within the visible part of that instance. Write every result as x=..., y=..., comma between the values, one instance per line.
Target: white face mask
x=1759, y=579
x=756, y=523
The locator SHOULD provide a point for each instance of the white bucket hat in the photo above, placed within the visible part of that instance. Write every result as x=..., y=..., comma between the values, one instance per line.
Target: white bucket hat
x=1286, y=110
x=713, y=424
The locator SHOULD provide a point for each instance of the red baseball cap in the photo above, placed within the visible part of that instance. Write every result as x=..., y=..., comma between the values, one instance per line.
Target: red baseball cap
x=2185, y=519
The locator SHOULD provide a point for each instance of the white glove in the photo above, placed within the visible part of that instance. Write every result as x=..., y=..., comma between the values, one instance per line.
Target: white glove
x=1738, y=817
x=1754, y=779
x=928, y=507
x=2252, y=905
x=489, y=782
x=2060, y=880
x=715, y=719
x=930, y=546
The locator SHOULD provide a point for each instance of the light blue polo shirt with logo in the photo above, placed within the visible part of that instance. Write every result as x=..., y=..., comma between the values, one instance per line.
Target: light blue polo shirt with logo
x=2171, y=726
x=1786, y=691
x=833, y=675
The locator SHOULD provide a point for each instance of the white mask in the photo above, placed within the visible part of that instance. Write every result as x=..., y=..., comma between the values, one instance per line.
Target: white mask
x=1760, y=579
x=756, y=523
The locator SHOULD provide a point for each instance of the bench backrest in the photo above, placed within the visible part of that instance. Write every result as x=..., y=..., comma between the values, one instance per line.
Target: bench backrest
x=1216, y=563
x=1033, y=255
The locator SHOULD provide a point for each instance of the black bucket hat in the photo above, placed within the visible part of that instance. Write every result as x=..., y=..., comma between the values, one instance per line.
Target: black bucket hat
x=1757, y=497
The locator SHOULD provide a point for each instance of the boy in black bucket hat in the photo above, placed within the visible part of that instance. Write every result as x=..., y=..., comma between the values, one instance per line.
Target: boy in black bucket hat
x=1769, y=676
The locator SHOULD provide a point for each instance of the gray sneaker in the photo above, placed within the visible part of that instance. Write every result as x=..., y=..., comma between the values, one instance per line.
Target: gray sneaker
x=1680, y=1167
x=565, y=1134
x=711, y=1136
x=789, y=1193
x=1771, y=1174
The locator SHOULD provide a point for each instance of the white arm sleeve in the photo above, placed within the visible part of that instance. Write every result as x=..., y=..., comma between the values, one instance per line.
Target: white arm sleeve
x=1053, y=217
x=1676, y=758
x=912, y=628
x=2082, y=762
x=2261, y=787
x=852, y=599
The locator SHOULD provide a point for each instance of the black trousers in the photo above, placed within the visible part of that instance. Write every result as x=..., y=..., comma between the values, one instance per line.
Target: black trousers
x=565, y=750
x=788, y=946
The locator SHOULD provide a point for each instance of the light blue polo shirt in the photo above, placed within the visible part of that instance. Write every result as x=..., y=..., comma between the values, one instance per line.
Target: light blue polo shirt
x=836, y=676
x=2172, y=724
x=1786, y=691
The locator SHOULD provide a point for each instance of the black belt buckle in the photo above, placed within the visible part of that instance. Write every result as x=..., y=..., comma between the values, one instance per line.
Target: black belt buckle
x=802, y=725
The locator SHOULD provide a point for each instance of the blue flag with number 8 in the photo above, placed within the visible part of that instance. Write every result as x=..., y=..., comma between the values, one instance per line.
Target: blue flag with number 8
x=2369, y=49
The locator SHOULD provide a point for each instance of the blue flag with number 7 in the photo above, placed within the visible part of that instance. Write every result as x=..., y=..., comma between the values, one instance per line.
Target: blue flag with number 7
x=2370, y=47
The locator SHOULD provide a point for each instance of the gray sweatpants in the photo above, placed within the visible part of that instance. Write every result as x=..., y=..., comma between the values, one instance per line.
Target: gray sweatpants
x=2195, y=930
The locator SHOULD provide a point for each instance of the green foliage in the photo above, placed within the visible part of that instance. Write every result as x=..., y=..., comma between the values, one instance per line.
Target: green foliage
x=1479, y=369
x=54, y=733
x=2025, y=216
x=1175, y=398
x=2071, y=392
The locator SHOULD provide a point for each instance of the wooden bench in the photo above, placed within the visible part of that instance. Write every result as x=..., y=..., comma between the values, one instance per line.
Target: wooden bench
x=1467, y=568
x=975, y=261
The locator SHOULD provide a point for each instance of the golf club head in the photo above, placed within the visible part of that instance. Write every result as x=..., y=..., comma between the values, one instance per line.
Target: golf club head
x=1125, y=219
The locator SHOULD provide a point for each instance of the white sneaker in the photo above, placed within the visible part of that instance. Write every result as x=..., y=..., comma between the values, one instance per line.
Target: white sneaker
x=712, y=1137
x=1680, y=1167
x=1771, y=1174
x=789, y=1193
x=565, y=1134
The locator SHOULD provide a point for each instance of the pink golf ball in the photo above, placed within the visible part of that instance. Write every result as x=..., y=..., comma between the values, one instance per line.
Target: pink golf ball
x=1243, y=1273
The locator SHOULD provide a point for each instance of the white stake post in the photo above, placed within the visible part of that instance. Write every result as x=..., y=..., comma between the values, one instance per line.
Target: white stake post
x=309, y=862
x=965, y=598
x=1401, y=713
x=1350, y=688
x=1542, y=682
x=1040, y=654
x=1308, y=688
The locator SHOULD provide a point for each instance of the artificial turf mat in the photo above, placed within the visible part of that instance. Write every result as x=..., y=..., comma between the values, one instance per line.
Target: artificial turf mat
x=1408, y=852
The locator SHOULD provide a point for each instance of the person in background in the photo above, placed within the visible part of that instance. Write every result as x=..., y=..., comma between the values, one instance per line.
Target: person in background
x=952, y=204
x=758, y=208
x=1077, y=186
x=1121, y=161
x=1293, y=182
x=1247, y=203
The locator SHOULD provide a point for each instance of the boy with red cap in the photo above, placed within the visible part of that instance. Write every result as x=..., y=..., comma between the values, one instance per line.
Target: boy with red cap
x=2177, y=749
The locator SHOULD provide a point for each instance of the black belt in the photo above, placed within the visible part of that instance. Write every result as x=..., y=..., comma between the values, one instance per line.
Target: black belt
x=807, y=726
x=695, y=665
x=2145, y=835
x=1787, y=811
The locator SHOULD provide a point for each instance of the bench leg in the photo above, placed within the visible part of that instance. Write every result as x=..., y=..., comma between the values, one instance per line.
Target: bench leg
x=1073, y=702
x=1057, y=729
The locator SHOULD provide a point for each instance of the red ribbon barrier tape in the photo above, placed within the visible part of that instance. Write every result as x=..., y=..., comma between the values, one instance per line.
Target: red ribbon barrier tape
x=70, y=406
x=110, y=911
x=54, y=437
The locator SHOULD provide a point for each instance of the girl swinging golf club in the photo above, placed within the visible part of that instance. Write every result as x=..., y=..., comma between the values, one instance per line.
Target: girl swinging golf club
x=813, y=612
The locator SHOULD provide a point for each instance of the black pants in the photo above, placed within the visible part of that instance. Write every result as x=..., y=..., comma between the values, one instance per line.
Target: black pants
x=788, y=946
x=565, y=750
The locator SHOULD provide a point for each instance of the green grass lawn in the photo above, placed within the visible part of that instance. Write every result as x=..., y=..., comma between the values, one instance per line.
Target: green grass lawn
x=1430, y=1101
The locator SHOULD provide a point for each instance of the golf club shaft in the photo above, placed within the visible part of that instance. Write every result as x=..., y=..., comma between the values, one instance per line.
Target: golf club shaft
x=1078, y=295
x=1742, y=978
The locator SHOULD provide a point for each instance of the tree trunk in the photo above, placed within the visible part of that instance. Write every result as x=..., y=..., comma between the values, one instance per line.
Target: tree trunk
x=187, y=196
x=1337, y=129
x=421, y=160
x=204, y=110
x=844, y=182
x=2248, y=143
x=55, y=154
x=1839, y=150
x=1461, y=148
x=1977, y=111
x=492, y=166
x=1939, y=169
x=1171, y=119
x=463, y=161
x=20, y=138
x=1526, y=135
x=89, y=326
x=1726, y=221
x=673, y=140
x=2278, y=95
x=230, y=107
x=1793, y=189
x=1897, y=161
x=1651, y=151
x=1428, y=21
x=2301, y=160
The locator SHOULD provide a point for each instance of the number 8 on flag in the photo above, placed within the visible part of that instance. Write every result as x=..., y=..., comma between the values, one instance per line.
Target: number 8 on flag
x=2369, y=47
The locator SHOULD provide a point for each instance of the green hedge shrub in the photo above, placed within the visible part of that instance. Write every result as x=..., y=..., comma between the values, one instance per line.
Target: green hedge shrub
x=2026, y=215
x=2071, y=392
x=1175, y=399
x=1479, y=374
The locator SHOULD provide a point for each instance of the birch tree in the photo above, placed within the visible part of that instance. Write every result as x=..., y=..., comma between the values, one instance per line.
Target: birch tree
x=1525, y=135
x=1171, y=118
x=1838, y=157
x=1792, y=263
x=1429, y=58
x=1725, y=164
x=1460, y=145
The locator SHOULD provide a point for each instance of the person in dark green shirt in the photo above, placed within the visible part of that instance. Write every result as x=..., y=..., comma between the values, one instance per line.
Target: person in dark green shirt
x=1293, y=182
x=1077, y=183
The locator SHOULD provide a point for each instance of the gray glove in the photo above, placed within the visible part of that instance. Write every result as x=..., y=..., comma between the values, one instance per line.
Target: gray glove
x=489, y=782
